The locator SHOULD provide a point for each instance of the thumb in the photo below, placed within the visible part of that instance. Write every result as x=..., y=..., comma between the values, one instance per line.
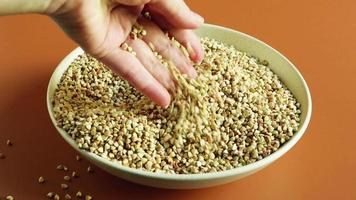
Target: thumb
x=176, y=12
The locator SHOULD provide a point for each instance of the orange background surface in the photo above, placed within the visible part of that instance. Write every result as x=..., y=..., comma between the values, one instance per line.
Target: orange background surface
x=318, y=36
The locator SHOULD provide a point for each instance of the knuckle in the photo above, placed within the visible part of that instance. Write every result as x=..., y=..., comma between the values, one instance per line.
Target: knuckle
x=130, y=74
x=164, y=48
x=99, y=51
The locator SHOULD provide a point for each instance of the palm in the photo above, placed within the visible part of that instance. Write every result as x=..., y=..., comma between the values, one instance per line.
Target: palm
x=98, y=29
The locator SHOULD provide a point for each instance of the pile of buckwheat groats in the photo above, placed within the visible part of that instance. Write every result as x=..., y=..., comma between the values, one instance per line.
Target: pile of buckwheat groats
x=234, y=113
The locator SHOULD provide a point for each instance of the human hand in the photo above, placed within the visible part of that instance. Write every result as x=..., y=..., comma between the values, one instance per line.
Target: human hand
x=101, y=26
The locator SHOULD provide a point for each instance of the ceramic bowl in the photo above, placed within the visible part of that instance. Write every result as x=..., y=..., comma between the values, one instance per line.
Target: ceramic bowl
x=287, y=72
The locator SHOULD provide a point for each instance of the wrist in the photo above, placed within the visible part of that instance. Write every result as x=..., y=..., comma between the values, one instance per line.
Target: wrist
x=55, y=5
x=12, y=7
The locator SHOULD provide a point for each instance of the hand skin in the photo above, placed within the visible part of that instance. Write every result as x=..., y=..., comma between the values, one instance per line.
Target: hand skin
x=101, y=26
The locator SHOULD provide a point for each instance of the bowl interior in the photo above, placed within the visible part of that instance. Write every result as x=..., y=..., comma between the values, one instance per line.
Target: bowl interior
x=280, y=65
x=277, y=62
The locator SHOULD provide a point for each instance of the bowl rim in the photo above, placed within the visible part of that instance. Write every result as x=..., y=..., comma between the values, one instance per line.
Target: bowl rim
x=186, y=177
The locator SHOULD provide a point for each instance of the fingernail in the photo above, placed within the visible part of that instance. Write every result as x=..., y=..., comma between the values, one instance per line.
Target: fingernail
x=167, y=102
x=170, y=85
x=199, y=18
x=191, y=52
x=166, y=106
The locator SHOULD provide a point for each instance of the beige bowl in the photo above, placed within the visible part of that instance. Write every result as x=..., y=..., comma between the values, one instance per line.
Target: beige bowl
x=278, y=63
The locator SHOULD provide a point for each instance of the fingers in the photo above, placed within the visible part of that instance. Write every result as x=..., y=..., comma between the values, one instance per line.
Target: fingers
x=100, y=39
x=124, y=17
x=190, y=41
x=131, y=2
x=185, y=37
x=164, y=46
x=151, y=63
x=176, y=12
x=129, y=68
